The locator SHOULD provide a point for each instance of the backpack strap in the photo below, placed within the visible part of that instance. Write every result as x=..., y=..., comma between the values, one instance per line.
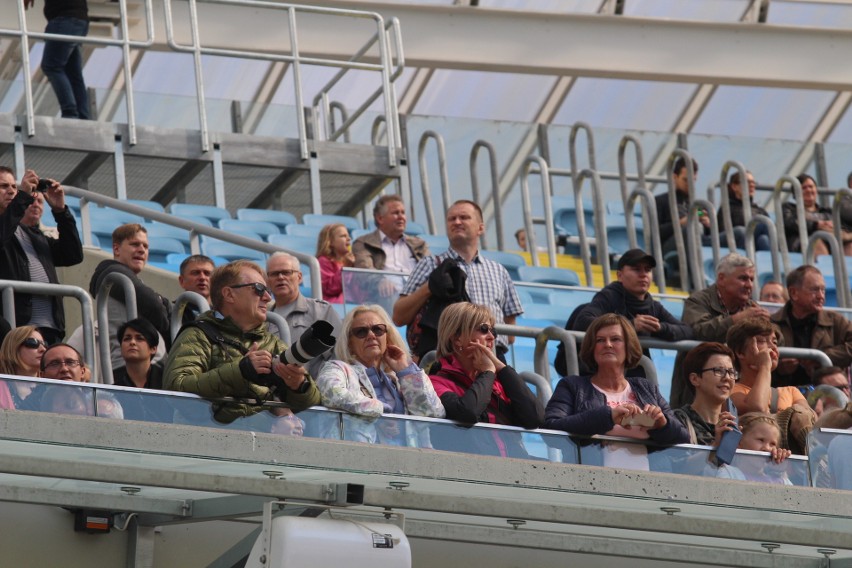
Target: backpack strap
x=773, y=401
x=215, y=336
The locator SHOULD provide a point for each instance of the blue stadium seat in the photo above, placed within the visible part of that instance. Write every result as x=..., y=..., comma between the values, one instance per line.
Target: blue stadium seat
x=556, y=315
x=565, y=220
x=414, y=228
x=231, y=251
x=357, y=233
x=437, y=243
x=160, y=247
x=570, y=298
x=280, y=218
x=190, y=209
x=350, y=223
x=157, y=230
x=304, y=245
x=674, y=307
x=152, y=205
x=243, y=233
x=176, y=258
x=312, y=231
x=113, y=216
x=549, y=275
x=263, y=228
x=511, y=261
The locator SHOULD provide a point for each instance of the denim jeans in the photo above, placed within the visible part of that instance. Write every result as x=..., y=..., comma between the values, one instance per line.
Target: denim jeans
x=62, y=64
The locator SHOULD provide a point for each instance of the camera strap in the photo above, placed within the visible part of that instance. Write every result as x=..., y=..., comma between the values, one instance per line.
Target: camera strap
x=215, y=336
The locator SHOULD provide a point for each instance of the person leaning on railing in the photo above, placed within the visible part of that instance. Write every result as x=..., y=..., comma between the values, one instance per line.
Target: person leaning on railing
x=475, y=386
x=229, y=352
x=609, y=402
x=373, y=375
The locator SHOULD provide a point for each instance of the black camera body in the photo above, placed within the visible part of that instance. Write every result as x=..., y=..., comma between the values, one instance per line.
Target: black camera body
x=43, y=185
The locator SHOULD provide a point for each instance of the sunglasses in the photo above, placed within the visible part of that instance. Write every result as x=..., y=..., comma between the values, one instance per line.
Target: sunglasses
x=486, y=329
x=259, y=289
x=33, y=343
x=378, y=330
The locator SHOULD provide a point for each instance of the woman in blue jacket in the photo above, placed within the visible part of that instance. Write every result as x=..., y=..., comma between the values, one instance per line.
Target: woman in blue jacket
x=609, y=402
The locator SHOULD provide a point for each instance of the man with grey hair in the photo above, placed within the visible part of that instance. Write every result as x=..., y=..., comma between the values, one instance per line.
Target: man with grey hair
x=710, y=312
x=283, y=276
x=805, y=323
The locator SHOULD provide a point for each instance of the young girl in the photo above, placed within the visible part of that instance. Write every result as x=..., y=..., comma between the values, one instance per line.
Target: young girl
x=762, y=434
x=333, y=254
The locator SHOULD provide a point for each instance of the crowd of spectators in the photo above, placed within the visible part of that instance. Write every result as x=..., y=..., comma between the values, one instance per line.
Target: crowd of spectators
x=450, y=303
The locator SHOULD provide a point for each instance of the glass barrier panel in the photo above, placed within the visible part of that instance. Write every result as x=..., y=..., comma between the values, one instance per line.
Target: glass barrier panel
x=57, y=397
x=625, y=453
x=372, y=287
x=830, y=458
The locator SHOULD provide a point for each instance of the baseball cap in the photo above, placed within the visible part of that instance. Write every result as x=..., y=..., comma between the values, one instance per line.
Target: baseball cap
x=634, y=257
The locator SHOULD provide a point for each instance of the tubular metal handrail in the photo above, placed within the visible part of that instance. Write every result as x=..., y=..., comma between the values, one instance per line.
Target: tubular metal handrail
x=682, y=257
x=601, y=243
x=195, y=230
x=495, y=190
x=125, y=43
x=321, y=100
x=296, y=59
x=838, y=253
x=131, y=312
x=649, y=211
x=783, y=245
x=8, y=288
x=693, y=225
x=727, y=223
x=424, y=176
x=178, y=307
x=548, y=211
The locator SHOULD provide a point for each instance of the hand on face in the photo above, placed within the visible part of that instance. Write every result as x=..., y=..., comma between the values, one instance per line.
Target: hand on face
x=726, y=423
x=481, y=356
x=395, y=358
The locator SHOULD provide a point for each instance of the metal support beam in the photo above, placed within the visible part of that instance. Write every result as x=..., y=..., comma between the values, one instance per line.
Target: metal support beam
x=177, y=182
x=79, y=176
x=140, y=545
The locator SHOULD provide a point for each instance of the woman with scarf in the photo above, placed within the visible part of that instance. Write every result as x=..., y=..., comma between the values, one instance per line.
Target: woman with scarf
x=374, y=376
x=475, y=386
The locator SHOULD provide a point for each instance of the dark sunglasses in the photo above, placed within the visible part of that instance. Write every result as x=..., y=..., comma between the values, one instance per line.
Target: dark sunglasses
x=32, y=343
x=259, y=289
x=378, y=330
x=486, y=329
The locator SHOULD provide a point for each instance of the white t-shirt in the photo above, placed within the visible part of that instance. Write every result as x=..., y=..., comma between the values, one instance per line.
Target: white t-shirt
x=625, y=456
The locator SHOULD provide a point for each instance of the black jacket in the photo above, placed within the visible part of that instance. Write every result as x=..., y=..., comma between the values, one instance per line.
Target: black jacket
x=614, y=299
x=67, y=250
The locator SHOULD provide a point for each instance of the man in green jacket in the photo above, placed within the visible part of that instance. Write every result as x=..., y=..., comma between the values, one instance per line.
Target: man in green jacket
x=229, y=352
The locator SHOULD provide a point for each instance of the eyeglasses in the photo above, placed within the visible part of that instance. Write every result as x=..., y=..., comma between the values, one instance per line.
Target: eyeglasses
x=259, y=289
x=55, y=365
x=378, y=330
x=486, y=329
x=721, y=372
x=33, y=343
x=285, y=273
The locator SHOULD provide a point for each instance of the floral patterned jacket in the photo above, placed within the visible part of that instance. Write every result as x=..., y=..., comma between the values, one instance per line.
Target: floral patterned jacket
x=345, y=386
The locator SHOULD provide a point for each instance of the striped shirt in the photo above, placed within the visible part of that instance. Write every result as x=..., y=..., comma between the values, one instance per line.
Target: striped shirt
x=488, y=284
x=42, y=306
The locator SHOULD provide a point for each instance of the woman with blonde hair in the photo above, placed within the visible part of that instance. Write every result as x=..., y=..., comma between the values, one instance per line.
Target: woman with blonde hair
x=333, y=253
x=20, y=354
x=373, y=375
x=475, y=386
x=609, y=402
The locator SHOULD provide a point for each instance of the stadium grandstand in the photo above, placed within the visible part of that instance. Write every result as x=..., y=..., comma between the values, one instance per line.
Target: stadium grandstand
x=239, y=128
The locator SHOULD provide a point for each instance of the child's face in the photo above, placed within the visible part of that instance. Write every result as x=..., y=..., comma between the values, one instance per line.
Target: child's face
x=761, y=437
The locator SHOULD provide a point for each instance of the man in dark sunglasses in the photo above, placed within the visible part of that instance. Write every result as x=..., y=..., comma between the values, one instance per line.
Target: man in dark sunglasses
x=30, y=255
x=229, y=351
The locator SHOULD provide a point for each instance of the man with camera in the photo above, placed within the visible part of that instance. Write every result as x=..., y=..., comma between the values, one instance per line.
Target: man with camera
x=229, y=352
x=283, y=276
x=31, y=256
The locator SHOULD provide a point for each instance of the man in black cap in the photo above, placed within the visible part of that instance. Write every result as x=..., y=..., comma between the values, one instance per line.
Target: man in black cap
x=630, y=298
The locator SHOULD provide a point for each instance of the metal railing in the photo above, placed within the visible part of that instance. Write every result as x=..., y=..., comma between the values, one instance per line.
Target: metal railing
x=196, y=230
x=381, y=38
x=125, y=43
x=8, y=288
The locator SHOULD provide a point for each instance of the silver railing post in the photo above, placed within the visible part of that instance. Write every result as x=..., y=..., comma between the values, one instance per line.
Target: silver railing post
x=103, y=296
x=424, y=176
